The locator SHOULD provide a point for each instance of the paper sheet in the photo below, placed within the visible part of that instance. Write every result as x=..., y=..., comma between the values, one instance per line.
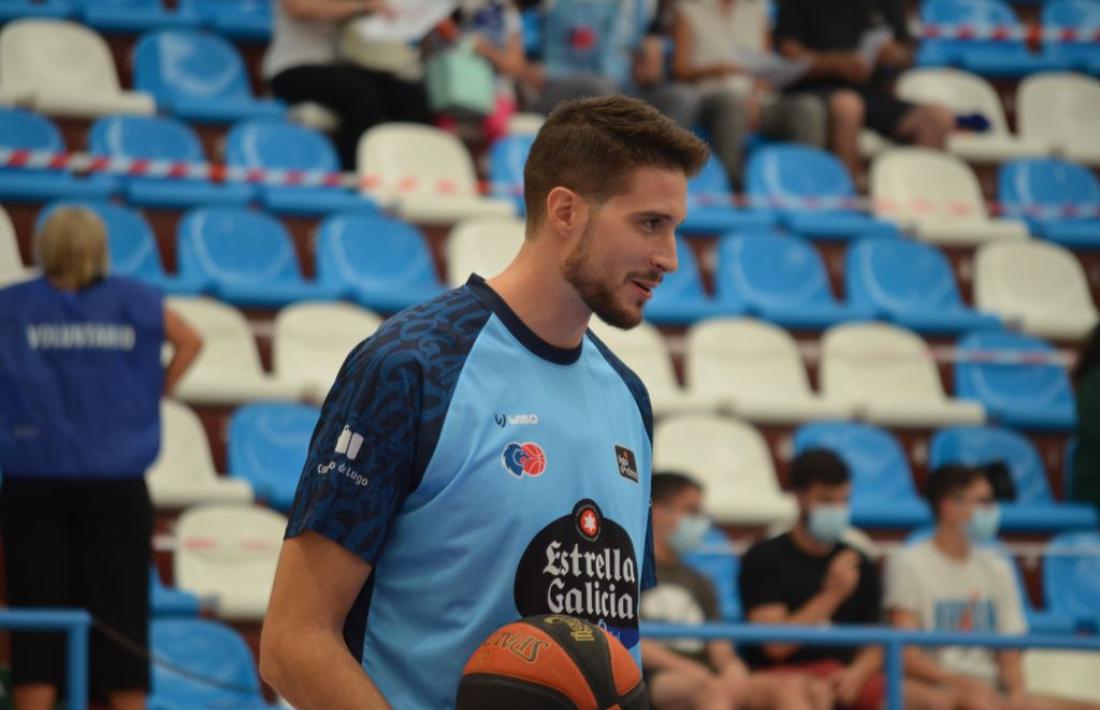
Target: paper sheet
x=411, y=20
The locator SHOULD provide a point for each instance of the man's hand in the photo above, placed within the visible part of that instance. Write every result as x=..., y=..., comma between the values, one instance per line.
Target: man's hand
x=848, y=684
x=842, y=578
x=981, y=694
x=853, y=69
x=895, y=54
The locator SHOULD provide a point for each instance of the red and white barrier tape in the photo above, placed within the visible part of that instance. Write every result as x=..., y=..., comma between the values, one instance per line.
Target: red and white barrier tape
x=1006, y=33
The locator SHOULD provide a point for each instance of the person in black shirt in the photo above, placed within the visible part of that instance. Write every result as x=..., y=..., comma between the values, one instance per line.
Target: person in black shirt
x=808, y=576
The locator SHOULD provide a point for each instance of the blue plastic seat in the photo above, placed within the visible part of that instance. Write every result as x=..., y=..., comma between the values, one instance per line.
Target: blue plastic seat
x=277, y=145
x=18, y=9
x=710, y=206
x=986, y=56
x=1071, y=577
x=1037, y=190
x=169, y=601
x=792, y=177
x=248, y=257
x=507, y=156
x=135, y=15
x=721, y=567
x=1080, y=15
x=160, y=138
x=1069, y=467
x=910, y=283
x=237, y=19
x=1021, y=395
x=267, y=447
x=198, y=77
x=29, y=131
x=1034, y=509
x=883, y=494
x=206, y=649
x=781, y=279
x=681, y=299
x=385, y=263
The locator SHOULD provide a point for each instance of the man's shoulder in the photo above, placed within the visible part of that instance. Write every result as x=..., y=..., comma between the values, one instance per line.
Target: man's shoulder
x=633, y=382
x=769, y=548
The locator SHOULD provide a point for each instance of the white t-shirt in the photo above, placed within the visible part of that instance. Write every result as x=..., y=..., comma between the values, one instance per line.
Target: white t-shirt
x=297, y=43
x=719, y=31
x=978, y=594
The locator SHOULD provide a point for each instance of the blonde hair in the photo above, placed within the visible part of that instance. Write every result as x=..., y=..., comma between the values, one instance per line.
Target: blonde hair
x=71, y=247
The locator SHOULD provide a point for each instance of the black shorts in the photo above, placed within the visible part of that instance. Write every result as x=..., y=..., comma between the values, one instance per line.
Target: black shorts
x=883, y=112
x=79, y=543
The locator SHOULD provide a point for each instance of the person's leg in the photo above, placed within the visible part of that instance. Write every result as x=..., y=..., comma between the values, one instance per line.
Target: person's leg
x=781, y=691
x=687, y=690
x=927, y=125
x=1046, y=702
x=801, y=118
x=846, y=114
x=725, y=117
x=919, y=695
x=574, y=86
x=680, y=102
x=405, y=101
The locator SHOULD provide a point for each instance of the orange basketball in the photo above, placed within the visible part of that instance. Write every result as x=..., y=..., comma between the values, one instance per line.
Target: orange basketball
x=551, y=662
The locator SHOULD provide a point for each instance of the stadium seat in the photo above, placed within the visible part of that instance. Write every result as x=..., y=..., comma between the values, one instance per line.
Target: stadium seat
x=198, y=77
x=711, y=208
x=966, y=94
x=65, y=69
x=1059, y=200
x=781, y=279
x=133, y=248
x=731, y=460
x=161, y=138
x=1036, y=286
x=227, y=370
x=812, y=193
x=681, y=299
x=135, y=15
x=938, y=197
x=183, y=473
x=1082, y=17
x=644, y=350
x=911, y=284
x=312, y=340
x=11, y=263
x=1007, y=374
x=757, y=371
x=228, y=553
x=28, y=131
x=507, y=157
x=717, y=560
x=286, y=149
x=525, y=124
x=247, y=257
x=236, y=19
x=1071, y=576
x=19, y=9
x=890, y=374
x=883, y=494
x=425, y=174
x=268, y=444
x=1063, y=674
x=484, y=246
x=169, y=601
x=194, y=649
x=384, y=263
x=1060, y=109
x=1034, y=509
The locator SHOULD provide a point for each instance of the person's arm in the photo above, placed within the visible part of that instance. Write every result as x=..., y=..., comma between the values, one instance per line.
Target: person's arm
x=186, y=345
x=655, y=657
x=1010, y=620
x=919, y=665
x=332, y=10
x=827, y=65
x=683, y=69
x=854, y=677
x=509, y=60
x=1011, y=667
x=303, y=655
x=649, y=61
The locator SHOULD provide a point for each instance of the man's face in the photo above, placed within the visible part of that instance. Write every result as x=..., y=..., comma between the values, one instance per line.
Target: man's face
x=957, y=508
x=627, y=246
x=822, y=494
x=667, y=513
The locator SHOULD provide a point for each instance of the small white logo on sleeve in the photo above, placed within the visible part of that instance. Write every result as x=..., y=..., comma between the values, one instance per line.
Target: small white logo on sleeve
x=348, y=443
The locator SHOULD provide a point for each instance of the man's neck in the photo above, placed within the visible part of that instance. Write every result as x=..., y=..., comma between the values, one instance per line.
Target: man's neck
x=951, y=543
x=806, y=542
x=535, y=290
x=663, y=552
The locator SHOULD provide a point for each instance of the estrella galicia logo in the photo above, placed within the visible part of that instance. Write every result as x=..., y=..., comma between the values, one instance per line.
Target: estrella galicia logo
x=526, y=458
x=628, y=465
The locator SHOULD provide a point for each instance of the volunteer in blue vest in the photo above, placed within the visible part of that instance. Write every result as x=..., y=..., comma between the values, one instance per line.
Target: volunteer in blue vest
x=80, y=386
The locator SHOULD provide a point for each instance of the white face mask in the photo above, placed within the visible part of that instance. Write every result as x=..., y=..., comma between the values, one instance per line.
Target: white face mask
x=827, y=522
x=689, y=533
x=983, y=524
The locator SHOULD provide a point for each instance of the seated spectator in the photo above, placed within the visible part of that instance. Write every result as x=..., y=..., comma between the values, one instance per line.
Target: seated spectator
x=691, y=673
x=708, y=35
x=1086, y=458
x=857, y=91
x=808, y=576
x=950, y=583
x=303, y=64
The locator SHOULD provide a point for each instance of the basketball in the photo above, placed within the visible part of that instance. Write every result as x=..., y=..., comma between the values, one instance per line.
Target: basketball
x=551, y=662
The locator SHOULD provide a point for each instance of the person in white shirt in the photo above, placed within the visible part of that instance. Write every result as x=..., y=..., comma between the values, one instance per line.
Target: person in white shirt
x=953, y=582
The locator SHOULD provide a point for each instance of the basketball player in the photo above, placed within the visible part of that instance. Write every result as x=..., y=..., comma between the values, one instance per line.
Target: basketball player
x=484, y=457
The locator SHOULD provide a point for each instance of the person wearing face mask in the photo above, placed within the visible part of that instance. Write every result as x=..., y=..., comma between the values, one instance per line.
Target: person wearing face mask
x=954, y=582
x=691, y=673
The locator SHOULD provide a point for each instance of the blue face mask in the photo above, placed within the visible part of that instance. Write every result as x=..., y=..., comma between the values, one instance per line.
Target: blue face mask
x=689, y=533
x=983, y=524
x=827, y=522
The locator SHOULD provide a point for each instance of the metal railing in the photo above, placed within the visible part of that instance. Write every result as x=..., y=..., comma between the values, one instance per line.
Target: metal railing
x=76, y=624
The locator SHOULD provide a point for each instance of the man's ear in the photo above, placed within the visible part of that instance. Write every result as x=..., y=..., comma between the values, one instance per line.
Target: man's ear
x=565, y=211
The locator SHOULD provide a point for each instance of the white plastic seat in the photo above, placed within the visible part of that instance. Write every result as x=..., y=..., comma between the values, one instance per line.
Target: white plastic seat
x=228, y=553
x=938, y=197
x=1063, y=674
x=890, y=374
x=871, y=143
x=1036, y=286
x=756, y=368
x=62, y=68
x=1060, y=110
x=525, y=124
x=183, y=473
x=228, y=369
x=11, y=264
x=731, y=460
x=966, y=93
x=312, y=340
x=644, y=351
x=424, y=173
x=483, y=246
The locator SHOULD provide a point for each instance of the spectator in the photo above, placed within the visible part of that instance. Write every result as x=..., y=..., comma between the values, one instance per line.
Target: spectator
x=302, y=64
x=1086, y=458
x=951, y=583
x=809, y=576
x=708, y=35
x=692, y=673
x=81, y=376
x=857, y=92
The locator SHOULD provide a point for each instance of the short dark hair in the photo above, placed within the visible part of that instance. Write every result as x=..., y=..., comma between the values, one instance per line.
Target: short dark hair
x=948, y=480
x=592, y=146
x=818, y=466
x=668, y=484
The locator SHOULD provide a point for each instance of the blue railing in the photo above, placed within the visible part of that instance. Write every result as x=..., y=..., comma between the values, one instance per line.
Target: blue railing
x=892, y=640
x=76, y=625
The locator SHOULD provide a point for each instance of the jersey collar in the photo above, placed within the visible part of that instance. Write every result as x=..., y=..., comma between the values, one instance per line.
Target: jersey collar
x=519, y=329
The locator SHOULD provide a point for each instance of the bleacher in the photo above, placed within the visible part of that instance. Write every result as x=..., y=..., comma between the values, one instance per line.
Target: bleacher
x=930, y=320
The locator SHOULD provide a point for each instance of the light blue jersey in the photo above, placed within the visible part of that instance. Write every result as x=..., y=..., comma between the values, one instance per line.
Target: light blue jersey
x=487, y=476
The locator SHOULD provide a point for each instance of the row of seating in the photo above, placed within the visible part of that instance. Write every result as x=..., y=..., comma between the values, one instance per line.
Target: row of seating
x=238, y=19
